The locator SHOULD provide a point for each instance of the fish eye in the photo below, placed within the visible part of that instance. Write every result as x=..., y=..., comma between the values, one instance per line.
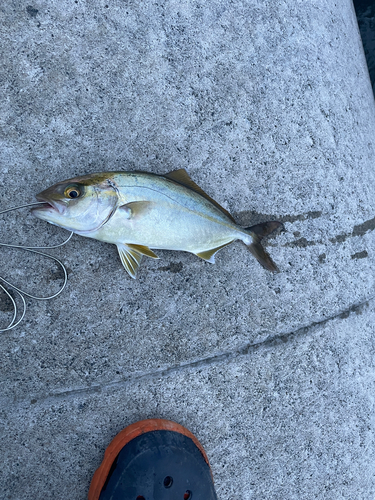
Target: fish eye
x=72, y=192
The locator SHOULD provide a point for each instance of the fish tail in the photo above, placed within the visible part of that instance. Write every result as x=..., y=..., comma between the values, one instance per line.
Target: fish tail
x=258, y=232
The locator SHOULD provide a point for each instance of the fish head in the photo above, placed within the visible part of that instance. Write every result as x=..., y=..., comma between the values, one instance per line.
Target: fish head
x=82, y=205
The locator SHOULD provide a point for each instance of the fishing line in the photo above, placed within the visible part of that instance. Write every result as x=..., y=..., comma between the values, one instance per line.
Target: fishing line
x=19, y=291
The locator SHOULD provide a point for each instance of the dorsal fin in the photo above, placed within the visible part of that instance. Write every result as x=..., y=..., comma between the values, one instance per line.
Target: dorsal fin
x=182, y=177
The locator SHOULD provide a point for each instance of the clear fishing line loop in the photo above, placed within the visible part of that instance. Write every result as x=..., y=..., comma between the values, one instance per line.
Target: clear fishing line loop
x=22, y=293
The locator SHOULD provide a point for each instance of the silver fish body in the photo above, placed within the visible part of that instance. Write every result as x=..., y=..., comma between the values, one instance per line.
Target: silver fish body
x=141, y=212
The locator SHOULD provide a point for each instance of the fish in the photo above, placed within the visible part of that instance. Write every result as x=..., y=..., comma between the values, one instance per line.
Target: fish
x=140, y=212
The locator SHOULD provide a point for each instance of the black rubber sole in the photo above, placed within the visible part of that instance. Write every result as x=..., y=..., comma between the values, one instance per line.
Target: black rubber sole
x=160, y=464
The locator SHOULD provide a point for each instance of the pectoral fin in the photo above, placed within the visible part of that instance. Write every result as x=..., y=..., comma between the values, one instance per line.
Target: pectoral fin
x=130, y=259
x=135, y=208
x=143, y=250
x=209, y=255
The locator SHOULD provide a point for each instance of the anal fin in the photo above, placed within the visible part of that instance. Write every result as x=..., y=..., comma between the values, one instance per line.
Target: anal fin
x=209, y=255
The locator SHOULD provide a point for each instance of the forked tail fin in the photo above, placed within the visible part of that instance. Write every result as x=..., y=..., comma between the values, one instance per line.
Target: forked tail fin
x=258, y=232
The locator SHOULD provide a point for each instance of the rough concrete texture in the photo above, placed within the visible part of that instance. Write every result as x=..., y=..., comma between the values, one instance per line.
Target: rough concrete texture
x=269, y=107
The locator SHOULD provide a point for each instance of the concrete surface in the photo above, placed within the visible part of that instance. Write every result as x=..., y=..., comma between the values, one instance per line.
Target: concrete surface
x=269, y=107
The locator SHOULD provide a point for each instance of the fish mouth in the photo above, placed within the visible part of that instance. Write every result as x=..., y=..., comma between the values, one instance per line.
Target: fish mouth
x=43, y=204
x=50, y=206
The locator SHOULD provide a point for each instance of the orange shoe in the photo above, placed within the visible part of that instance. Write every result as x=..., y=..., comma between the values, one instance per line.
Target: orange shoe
x=153, y=460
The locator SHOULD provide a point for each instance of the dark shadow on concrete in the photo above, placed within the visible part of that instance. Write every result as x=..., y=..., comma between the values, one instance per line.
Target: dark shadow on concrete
x=365, y=11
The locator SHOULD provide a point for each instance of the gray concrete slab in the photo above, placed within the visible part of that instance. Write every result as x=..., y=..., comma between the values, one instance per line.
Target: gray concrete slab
x=270, y=109
x=292, y=418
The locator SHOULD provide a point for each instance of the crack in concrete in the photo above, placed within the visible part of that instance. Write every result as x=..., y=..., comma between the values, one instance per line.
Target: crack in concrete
x=199, y=363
